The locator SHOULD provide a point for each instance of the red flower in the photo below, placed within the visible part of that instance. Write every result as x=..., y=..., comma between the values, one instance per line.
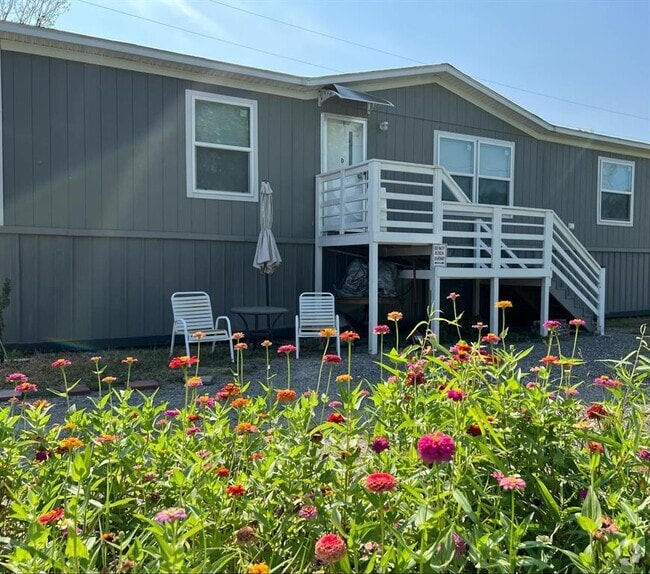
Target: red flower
x=349, y=336
x=490, y=338
x=336, y=418
x=380, y=482
x=549, y=359
x=381, y=330
x=286, y=349
x=332, y=359
x=51, y=516
x=182, y=361
x=222, y=472
x=436, y=448
x=286, y=395
x=594, y=446
x=60, y=363
x=329, y=548
x=474, y=430
x=236, y=490
x=596, y=411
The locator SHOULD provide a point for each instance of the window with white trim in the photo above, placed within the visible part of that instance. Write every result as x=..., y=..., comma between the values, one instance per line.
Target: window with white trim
x=483, y=168
x=615, y=191
x=221, y=146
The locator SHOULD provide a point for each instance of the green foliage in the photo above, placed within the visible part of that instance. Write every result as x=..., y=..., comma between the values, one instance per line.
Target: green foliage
x=538, y=480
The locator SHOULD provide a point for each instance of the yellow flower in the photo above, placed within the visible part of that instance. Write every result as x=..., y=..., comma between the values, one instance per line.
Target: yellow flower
x=503, y=305
x=395, y=316
x=258, y=568
x=343, y=379
x=327, y=332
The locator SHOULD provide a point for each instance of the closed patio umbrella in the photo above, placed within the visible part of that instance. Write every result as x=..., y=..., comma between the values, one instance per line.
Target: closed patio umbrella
x=267, y=257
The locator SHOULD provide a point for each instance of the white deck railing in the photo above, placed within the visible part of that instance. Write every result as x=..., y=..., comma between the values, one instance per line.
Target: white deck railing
x=402, y=203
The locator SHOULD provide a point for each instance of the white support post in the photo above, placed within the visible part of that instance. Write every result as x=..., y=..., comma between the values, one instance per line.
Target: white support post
x=438, y=220
x=494, y=312
x=373, y=295
x=318, y=268
x=342, y=198
x=544, y=304
x=372, y=193
x=497, y=219
x=601, y=301
x=434, y=297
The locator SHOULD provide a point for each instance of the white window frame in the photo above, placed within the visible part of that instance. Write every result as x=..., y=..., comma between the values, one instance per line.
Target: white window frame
x=323, y=135
x=191, y=96
x=477, y=141
x=600, y=220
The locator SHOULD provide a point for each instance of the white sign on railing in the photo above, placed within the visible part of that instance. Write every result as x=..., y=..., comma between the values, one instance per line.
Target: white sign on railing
x=439, y=258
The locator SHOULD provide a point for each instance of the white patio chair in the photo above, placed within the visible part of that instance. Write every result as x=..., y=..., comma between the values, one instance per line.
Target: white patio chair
x=192, y=313
x=316, y=312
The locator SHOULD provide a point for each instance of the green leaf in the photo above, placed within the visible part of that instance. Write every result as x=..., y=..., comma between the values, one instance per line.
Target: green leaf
x=587, y=524
x=548, y=498
x=591, y=506
x=464, y=504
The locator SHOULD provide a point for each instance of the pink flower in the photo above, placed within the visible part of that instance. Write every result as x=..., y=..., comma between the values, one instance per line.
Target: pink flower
x=455, y=395
x=192, y=431
x=381, y=330
x=380, y=482
x=170, y=515
x=329, y=548
x=552, y=325
x=334, y=404
x=606, y=382
x=25, y=388
x=497, y=474
x=460, y=545
x=172, y=413
x=286, y=349
x=380, y=444
x=577, y=322
x=531, y=385
x=513, y=482
x=60, y=363
x=644, y=454
x=453, y=296
x=436, y=448
x=17, y=378
x=308, y=512
x=479, y=326
x=571, y=392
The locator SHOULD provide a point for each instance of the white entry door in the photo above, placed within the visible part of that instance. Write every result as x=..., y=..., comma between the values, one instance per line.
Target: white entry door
x=343, y=143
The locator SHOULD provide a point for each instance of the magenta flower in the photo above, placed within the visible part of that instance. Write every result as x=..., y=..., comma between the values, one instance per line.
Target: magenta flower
x=308, y=512
x=606, y=382
x=172, y=413
x=644, y=454
x=552, y=325
x=17, y=378
x=381, y=330
x=380, y=444
x=455, y=395
x=436, y=448
x=460, y=546
x=170, y=515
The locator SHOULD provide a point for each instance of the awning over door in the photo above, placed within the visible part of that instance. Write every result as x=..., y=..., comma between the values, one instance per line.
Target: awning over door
x=343, y=93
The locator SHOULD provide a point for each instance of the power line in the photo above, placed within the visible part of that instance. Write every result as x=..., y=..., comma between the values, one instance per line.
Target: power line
x=393, y=54
x=323, y=34
x=180, y=28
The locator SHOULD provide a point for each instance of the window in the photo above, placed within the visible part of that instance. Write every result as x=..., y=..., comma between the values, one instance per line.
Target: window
x=615, y=191
x=482, y=168
x=221, y=147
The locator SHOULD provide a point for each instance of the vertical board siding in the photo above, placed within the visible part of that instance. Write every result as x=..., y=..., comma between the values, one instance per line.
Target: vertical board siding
x=103, y=150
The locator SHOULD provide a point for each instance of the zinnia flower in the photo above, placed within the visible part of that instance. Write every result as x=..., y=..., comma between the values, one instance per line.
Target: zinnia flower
x=308, y=512
x=436, y=448
x=329, y=548
x=244, y=428
x=286, y=395
x=266, y=343
x=606, y=382
x=549, y=359
x=490, y=338
x=240, y=346
x=237, y=336
x=453, y=296
x=172, y=413
x=381, y=330
x=349, y=336
x=596, y=411
x=327, y=332
x=60, y=363
x=170, y=515
x=53, y=515
x=236, y=490
x=182, y=362
x=479, y=326
x=286, y=349
x=69, y=444
x=380, y=482
x=577, y=322
x=394, y=316
x=594, y=446
x=109, y=380
x=336, y=418
x=644, y=454
x=239, y=402
x=503, y=305
x=192, y=431
x=513, y=482
x=380, y=444
x=17, y=378
x=345, y=378
x=222, y=472
x=246, y=535
x=332, y=359
x=455, y=395
x=258, y=568
x=194, y=382
x=25, y=388
x=129, y=360
x=552, y=325
x=474, y=430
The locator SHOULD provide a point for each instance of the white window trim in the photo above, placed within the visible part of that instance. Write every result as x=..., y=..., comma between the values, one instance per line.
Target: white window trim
x=191, y=96
x=323, y=135
x=476, y=140
x=600, y=220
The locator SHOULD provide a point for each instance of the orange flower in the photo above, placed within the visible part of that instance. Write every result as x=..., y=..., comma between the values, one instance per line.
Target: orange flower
x=327, y=332
x=245, y=428
x=95, y=359
x=69, y=444
x=503, y=305
x=236, y=490
x=258, y=568
x=345, y=378
x=198, y=335
x=194, y=382
x=109, y=380
x=223, y=472
x=286, y=395
x=239, y=402
x=237, y=336
x=395, y=316
x=240, y=346
x=266, y=343
x=51, y=516
x=349, y=336
x=130, y=360
x=60, y=363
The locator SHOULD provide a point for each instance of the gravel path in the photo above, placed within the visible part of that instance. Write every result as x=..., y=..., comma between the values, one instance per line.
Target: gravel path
x=304, y=371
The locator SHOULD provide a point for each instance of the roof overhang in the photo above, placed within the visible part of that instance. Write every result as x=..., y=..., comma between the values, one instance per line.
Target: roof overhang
x=345, y=93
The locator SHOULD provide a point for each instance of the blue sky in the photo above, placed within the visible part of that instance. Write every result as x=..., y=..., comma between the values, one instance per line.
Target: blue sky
x=591, y=57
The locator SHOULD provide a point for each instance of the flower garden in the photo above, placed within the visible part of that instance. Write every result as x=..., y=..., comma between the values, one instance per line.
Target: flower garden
x=455, y=460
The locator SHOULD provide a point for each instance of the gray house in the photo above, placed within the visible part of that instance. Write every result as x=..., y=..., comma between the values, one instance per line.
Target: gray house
x=129, y=173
